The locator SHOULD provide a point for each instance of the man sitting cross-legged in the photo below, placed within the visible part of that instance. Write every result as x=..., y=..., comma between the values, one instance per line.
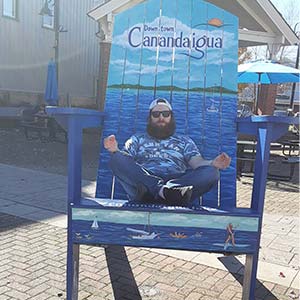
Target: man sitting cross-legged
x=161, y=166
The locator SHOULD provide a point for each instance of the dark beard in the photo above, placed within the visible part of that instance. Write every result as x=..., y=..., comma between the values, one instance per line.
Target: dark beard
x=161, y=133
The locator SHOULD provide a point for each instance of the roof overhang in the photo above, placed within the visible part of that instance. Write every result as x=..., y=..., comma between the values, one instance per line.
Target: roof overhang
x=260, y=23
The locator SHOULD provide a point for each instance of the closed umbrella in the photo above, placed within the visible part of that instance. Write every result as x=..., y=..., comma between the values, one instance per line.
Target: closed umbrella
x=266, y=72
x=51, y=91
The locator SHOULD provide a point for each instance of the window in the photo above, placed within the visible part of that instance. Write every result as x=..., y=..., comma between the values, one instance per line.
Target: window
x=48, y=19
x=10, y=8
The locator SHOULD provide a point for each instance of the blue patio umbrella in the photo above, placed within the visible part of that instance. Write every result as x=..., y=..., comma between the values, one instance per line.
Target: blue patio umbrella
x=51, y=91
x=266, y=72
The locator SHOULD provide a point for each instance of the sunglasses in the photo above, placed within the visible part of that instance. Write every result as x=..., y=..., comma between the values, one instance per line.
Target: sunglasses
x=165, y=114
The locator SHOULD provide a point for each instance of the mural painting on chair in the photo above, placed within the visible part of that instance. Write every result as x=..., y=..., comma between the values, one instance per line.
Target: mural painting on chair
x=185, y=51
x=178, y=231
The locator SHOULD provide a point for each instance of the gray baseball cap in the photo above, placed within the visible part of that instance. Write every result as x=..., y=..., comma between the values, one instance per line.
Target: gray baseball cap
x=160, y=101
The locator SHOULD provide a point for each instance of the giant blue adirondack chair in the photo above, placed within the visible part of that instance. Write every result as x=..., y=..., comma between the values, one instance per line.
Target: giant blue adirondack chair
x=185, y=51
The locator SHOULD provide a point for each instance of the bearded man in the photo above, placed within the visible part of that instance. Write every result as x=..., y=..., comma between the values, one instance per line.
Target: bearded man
x=161, y=167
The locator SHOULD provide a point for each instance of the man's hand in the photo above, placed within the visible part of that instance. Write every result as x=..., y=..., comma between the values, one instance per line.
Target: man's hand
x=222, y=161
x=111, y=144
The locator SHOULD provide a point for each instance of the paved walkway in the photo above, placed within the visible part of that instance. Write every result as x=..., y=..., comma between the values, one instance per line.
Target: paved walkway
x=33, y=250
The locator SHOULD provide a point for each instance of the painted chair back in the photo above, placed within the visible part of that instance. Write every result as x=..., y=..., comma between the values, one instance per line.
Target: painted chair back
x=186, y=52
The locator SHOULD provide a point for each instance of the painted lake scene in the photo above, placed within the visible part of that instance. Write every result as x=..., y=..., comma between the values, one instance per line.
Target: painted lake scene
x=155, y=229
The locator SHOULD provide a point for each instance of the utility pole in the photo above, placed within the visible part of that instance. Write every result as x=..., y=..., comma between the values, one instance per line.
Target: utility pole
x=296, y=66
x=56, y=36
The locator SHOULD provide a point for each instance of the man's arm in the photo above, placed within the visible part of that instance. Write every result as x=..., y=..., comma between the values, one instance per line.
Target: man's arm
x=111, y=144
x=222, y=161
x=198, y=161
x=130, y=148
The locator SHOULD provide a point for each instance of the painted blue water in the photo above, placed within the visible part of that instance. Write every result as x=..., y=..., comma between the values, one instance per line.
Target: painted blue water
x=208, y=119
x=174, y=237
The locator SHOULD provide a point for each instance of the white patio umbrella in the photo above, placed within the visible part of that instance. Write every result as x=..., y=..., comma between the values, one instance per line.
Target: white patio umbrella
x=266, y=72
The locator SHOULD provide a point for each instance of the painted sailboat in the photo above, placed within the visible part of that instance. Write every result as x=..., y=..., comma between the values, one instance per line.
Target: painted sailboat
x=143, y=234
x=95, y=224
x=137, y=230
x=148, y=236
x=212, y=107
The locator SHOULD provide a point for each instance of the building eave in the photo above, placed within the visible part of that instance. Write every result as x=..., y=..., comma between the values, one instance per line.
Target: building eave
x=260, y=22
x=112, y=6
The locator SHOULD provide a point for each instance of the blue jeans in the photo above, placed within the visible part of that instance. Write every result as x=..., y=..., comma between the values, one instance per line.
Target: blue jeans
x=143, y=187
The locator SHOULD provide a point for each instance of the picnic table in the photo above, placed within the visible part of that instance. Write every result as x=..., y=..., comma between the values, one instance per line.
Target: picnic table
x=41, y=126
x=246, y=153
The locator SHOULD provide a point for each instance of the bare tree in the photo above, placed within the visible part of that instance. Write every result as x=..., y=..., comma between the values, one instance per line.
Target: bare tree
x=291, y=13
x=244, y=56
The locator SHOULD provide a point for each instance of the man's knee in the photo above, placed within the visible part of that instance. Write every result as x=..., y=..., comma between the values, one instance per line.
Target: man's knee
x=207, y=178
x=119, y=161
x=213, y=174
x=209, y=174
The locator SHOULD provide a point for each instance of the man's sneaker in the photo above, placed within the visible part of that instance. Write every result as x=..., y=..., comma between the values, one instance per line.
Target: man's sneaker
x=143, y=195
x=177, y=196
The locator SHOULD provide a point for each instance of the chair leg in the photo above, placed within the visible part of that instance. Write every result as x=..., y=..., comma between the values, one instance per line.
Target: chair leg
x=72, y=271
x=292, y=170
x=250, y=276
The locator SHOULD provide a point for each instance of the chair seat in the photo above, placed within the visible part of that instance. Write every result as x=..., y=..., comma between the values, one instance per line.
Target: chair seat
x=125, y=204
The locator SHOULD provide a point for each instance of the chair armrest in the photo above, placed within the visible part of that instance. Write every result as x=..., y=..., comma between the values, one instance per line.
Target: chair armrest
x=82, y=117
x=73, y=120
x=278, y=125
x=267, y=129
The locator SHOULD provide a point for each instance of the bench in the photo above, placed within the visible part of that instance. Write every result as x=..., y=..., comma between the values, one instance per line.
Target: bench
x=290, y=147
x=292, y=162
x=42, y=127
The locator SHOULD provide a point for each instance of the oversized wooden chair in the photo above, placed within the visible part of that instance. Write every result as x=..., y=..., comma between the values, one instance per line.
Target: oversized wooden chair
x=185, y=51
